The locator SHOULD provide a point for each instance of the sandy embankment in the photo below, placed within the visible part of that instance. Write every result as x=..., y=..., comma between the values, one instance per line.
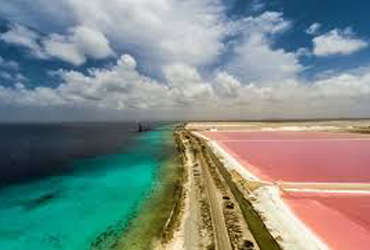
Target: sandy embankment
x=178, y=239
x=314, y=187
x=209, y=217
x=191, y=233
x=229, y=161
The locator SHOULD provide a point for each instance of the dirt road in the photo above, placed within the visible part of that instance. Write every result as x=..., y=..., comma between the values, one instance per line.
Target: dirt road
x=210, y=217
x=222, y=240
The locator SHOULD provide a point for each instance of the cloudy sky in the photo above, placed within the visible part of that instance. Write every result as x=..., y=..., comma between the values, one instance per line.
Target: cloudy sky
x=183, y=59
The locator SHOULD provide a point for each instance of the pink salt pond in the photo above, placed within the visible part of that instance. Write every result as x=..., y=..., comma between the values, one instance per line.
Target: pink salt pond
x=299, y=156
x=342, y=221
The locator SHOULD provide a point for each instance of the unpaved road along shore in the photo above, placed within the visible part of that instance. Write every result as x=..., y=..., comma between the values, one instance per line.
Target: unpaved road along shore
x=210, y=217
x=222, y=240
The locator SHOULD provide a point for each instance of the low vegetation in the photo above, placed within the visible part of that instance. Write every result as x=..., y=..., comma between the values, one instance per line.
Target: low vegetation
x=264, y=239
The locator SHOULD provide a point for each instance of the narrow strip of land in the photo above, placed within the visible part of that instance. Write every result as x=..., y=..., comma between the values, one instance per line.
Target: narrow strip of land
x=214, y=214
x=325, y=187
x=255, y=235
x=221, y=234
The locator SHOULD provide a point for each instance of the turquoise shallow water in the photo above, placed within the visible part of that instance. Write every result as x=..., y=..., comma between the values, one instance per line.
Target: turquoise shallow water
x=85, y=208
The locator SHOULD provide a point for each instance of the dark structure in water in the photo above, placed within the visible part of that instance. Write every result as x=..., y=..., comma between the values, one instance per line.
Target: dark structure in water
x=143, y=127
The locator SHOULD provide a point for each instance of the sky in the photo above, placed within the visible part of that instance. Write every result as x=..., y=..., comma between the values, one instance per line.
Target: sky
x=75, y=60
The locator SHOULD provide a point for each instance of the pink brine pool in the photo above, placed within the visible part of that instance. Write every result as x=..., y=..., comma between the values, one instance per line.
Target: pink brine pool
x=300, y=156
x=281, y=135
x=342, y=221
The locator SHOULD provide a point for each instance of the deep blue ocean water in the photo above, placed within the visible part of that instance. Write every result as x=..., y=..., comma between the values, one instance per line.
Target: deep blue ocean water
x=93, y=193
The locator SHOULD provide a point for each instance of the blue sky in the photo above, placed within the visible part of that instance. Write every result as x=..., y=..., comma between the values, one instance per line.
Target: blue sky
x=193, y=59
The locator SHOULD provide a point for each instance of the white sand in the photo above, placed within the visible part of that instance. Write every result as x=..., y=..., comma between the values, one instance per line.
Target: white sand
x=282, y=222
x=324, y=187
x=327, y=191
x=201, y=136
x=231, y=163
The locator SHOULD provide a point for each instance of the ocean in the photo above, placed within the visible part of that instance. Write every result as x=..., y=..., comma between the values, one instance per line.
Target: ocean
x=75, y=186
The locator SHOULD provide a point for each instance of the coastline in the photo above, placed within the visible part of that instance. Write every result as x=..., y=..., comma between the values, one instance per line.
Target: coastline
x=153, y=212
x=93, y=207
x=212, y=216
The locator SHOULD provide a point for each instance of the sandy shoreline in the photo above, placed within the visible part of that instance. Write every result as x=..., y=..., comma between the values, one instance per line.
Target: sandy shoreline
x=146, y=225
x=191, y=231
x=211, y=217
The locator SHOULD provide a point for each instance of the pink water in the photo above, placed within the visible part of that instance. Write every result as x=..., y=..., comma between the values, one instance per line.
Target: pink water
x=340, y=220
x=281, y=135
x=299, y=157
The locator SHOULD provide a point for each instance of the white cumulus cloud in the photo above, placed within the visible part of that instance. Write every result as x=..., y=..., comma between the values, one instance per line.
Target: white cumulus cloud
x=186, y=93
x=338, y=42
x=80, y=43
x=159, y=31
x=181, y=59
x=254, y=58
